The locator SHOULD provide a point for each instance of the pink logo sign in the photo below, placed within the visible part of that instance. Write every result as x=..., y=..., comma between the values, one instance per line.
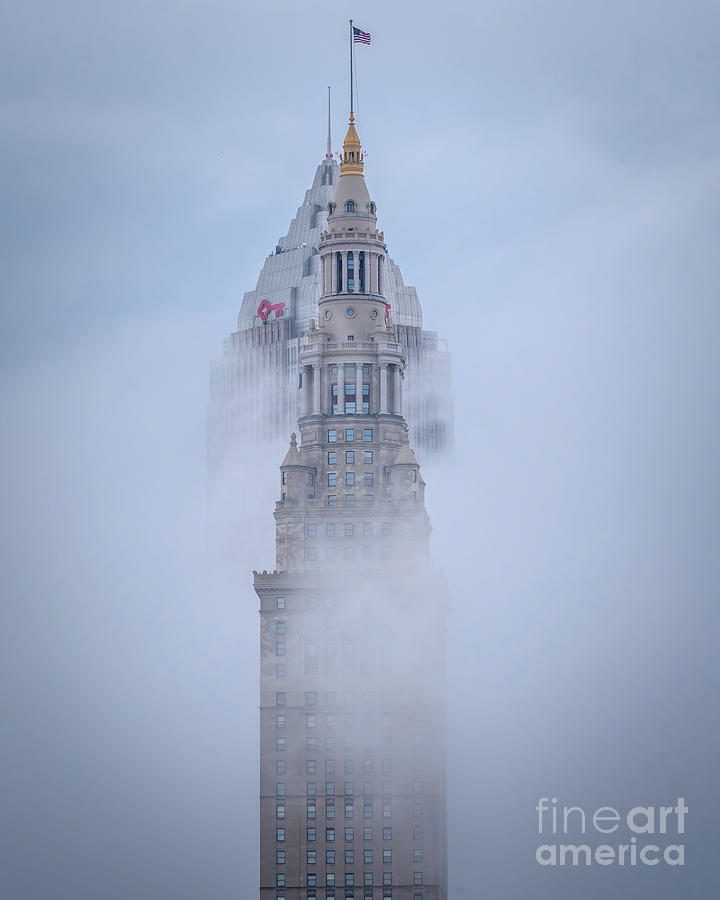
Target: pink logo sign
x=266, y=308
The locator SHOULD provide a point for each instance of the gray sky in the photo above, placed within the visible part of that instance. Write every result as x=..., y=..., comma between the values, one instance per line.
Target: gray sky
x=547, y=175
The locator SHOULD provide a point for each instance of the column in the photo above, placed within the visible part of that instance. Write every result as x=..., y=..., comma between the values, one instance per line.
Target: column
x=316, y=388
x=383, y=388
x=358, y=387
x=396, y=392
x=401, y=379
x=374, y=275
x=341, y=388
x=343, y=254
x=333, y=273
x=327, y=273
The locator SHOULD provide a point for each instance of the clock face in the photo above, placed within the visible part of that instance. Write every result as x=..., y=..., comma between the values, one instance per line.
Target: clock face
x=349, y=312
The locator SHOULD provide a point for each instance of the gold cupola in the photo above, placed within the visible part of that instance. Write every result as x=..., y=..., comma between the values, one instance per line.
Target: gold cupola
x=352, y=161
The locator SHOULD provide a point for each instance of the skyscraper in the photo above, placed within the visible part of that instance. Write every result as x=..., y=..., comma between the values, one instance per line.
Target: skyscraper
x=260, y=359
x=352, y=773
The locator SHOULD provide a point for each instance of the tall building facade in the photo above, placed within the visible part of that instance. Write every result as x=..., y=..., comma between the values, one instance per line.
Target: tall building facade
x=261, y=358
x=352, y=772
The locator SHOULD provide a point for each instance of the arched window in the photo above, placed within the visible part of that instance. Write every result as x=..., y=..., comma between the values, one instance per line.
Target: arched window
x=372, y=208
x=350, y=206
x=329, y=209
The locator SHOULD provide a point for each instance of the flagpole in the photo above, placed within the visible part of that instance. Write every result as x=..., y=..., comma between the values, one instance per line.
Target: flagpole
x=351, y=68
x=329, y=148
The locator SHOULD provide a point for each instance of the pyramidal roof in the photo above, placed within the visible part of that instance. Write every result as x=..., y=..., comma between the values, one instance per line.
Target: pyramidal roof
x=406, y=457
x=292, y=457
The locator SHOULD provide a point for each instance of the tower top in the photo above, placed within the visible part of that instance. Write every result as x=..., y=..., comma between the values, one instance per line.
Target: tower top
x=352, y=158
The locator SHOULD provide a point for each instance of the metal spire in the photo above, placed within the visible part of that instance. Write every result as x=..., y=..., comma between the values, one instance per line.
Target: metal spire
x=329, y=150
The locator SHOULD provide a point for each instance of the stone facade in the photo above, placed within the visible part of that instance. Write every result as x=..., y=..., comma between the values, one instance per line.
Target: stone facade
x=352, y=619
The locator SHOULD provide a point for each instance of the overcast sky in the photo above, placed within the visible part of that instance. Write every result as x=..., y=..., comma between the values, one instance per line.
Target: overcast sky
x=547, y=175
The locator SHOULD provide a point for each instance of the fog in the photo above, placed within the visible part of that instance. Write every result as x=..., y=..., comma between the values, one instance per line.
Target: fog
x=547, y=176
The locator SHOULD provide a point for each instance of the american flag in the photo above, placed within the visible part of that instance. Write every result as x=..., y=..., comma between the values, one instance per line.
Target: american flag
x=360, y=37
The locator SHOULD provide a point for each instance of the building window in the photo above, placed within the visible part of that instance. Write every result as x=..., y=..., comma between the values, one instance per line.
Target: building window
x=284, y=477
x=387, y=856
x=310, y=478
x=280, y=721
x=311, y=744
x=280, y=789
x=280, y=670
x=417, y=897
x=311, y=766
x=348, y=767
x=387, y=765
x=332, y=499
x=350, y=478
x=349, y=788
x=280, y=627
x=349, y=456
x=332, y=435
x=310, y=698
x=330, y=746
x=414, y=475
x=329, y=835
x=417, y=832
x=280, y=603
x=311, y=856
x=329, y=810
x=280, y=834
x=348, y=529
x=311, y=721
x=350, y=498
x=280, y=856
x=311, y=811
x=349, y=879
x=350, y=404
x=311, y=530
x=330, y=529
x=280, y=648
x=349, y=833
x=417, y=877
x=367, y=553
x=332, y=479
x=329, y=766
x=387, y=810
x=350, y=207
x=280, y=879
x=417, y=810
x=387, y=787
x=367, y=876
x=367, y=810
x=349, y=810
x=367, y=479
x=329, y=788
x=347, y=553
x=417, y=856
x=387, y=834
x=310, y=554
x=367, y=435
x=332, y=457
x=280, y=811
x=368, y=457
x=367, y=787
x=279, y=766
x=387, y=877
x=417, y=787
x=349, y=435
x=329, y=857
x=311, y=879
x=311, y=834
x=280, y=698
x=330, y=553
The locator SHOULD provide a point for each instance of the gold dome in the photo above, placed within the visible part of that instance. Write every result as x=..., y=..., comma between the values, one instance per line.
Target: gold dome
x=352, y=161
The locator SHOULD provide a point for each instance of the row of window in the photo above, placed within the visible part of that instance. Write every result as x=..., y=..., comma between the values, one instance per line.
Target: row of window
x=368, y=788
x=350, y=389
x=311, y=811
x=367, y=435
x=367, y=766
x=348, y=718
x=349, y=894
x=311, y=553
x=311, y=530
x=330, y=698
x=350, y=479
x=311, y=744
x=349, y=833
x=331, y=856
x=330, y=895
x=367, y=879
x=350, y=457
